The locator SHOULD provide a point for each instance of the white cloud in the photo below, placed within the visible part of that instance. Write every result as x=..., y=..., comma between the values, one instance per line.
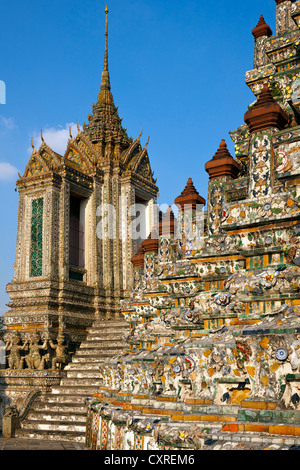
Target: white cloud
x=8, y=123
x=7, y=172
x=56, y=138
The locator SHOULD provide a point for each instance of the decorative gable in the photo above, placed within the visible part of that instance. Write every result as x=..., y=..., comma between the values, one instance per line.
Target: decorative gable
x=35, y=167
x=143, y=168
x=77, y=158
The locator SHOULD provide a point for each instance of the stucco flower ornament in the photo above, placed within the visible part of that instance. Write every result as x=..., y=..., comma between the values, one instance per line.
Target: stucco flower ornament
x=268, y=279
x=282, y=160
x=264, y=210
x=223, y=299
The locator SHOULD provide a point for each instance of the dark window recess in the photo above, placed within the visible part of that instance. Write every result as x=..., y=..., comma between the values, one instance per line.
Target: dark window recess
x=76, y=243
x=75, y=276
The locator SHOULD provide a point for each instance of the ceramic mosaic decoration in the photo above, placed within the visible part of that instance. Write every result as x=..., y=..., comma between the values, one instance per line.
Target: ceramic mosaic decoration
x=212, y=359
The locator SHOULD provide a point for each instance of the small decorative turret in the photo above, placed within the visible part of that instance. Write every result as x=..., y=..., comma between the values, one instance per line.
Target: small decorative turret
x=167, y=224
x=262, y=29
x=150, y=245
x=189, y=197
x=266, y=113
x=138, y=259
x=222, y=164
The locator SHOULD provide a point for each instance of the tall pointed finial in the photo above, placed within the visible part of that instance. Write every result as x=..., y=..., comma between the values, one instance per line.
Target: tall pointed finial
x=106, y=42
x=105, y=81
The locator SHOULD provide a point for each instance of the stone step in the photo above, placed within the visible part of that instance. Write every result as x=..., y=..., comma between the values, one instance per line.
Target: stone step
x=102, y=345
x=75, y=390
x=109, y=323
x=108, y=331
x=104, y=335
x=88, y=382
x=60, y=415
x=112, y=326
x=67, y=426
x=56, y=435
x=86, y=366
x=92, y=365
x=64, y=399
x=57, y=407
x=95, y=353
x=94, y=359
x=79, y=374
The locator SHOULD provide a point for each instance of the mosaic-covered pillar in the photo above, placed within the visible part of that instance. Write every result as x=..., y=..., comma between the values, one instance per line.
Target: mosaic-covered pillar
x=261, y=33
x=107, y=228
x=117, y=244
x=166, y=232
x=221, y=169
x=284, y=21
x=260, y=183
x=263, y=119
x=37, y=238
x=64, y=215
x=189, y=223
x=128, y=245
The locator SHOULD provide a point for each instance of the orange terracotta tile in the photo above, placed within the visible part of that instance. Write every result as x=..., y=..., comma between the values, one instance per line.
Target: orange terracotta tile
x=279, y=429
x=192, y=418
x=194, y=401
x=231, y=427
x=227, y=419
x=161, y=412
x=256, y=428
x=271, y=406
x=167, y=399
x=210, y=418
x=257, y=405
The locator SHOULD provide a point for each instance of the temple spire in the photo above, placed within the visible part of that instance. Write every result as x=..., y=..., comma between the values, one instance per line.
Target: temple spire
x=105, y=81
x=106, y=42
x=105, y=123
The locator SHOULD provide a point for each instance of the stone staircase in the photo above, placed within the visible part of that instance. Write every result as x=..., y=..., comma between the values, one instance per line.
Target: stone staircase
x=61, y=414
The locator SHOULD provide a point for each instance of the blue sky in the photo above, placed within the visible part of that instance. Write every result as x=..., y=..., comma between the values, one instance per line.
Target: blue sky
x=177, y=70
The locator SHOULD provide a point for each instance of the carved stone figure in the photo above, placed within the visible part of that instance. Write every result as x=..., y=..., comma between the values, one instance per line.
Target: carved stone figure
x=15, y=360
x=34, y=359
x=61, y=350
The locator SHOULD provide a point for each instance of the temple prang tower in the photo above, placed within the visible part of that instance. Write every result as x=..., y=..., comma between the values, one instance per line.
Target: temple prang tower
x=76, y=232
